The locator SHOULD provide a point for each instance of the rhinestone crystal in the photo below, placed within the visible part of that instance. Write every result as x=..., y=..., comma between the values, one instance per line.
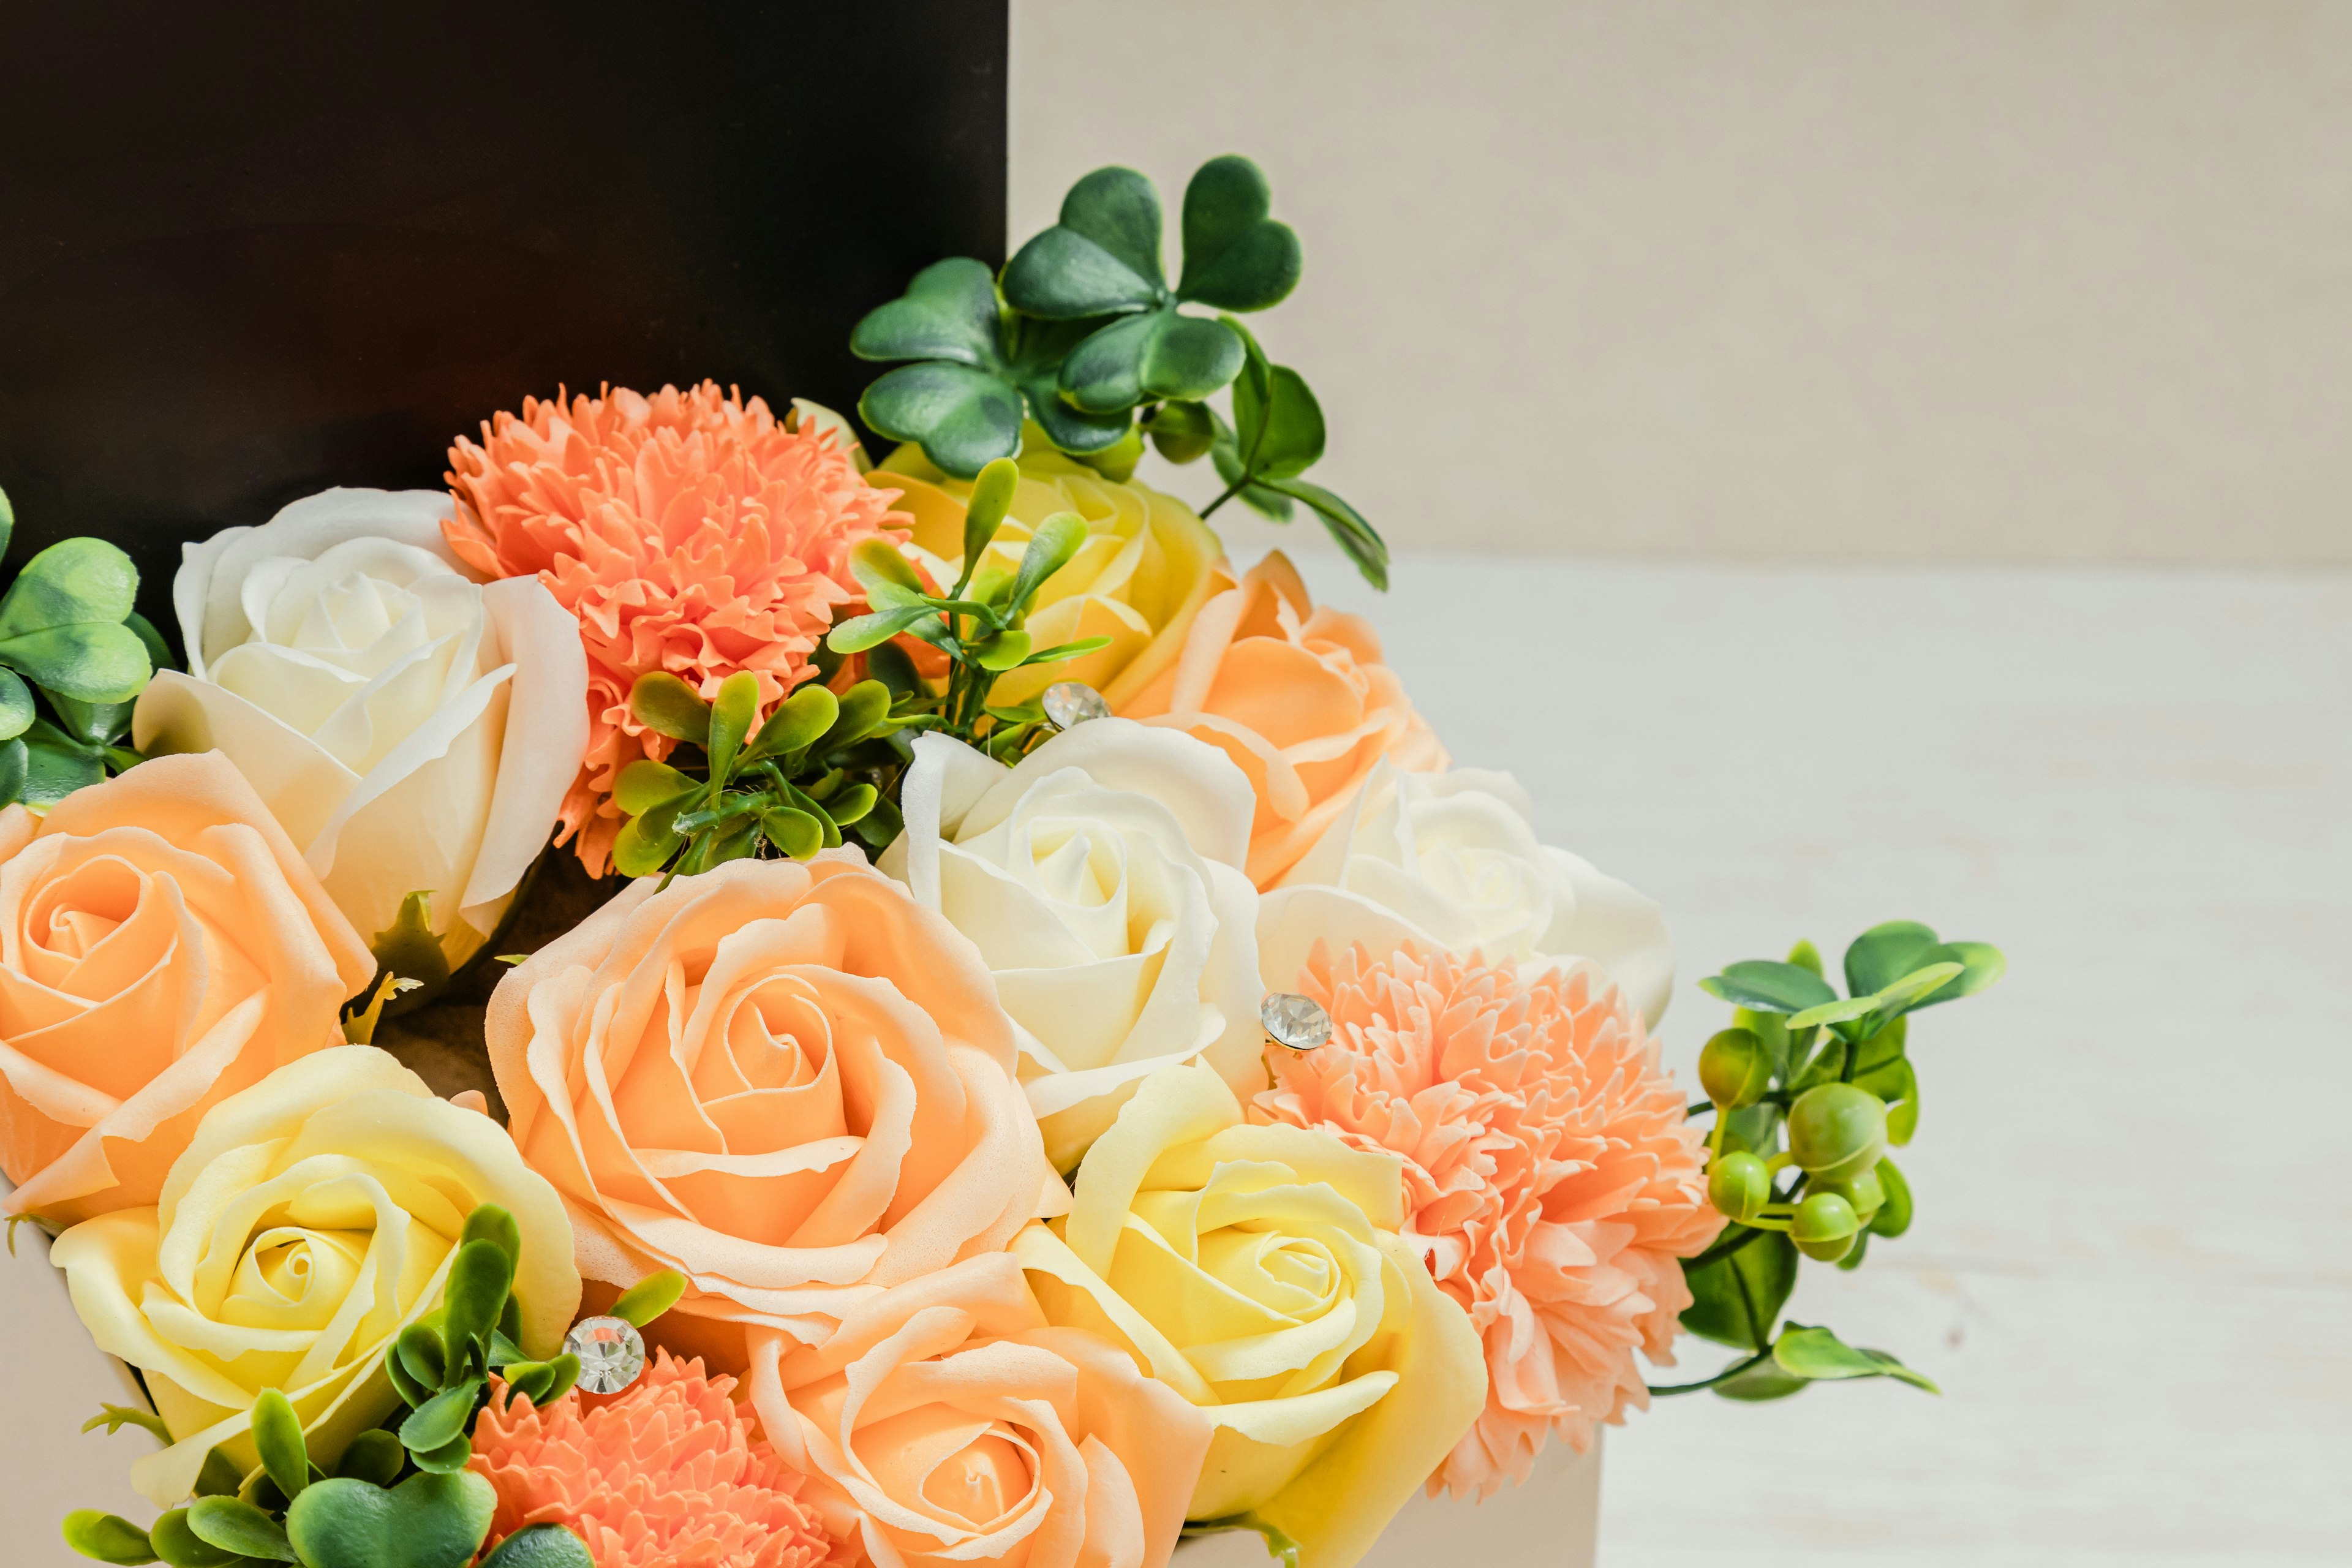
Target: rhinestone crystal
x=1295, y=1022
x=1069, y=703
x=611, y=1351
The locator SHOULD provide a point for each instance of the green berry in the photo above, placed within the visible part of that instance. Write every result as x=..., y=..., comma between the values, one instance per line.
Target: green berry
x=1863, y=1190
x=1735, y=1069
x=1836, y=1132
x=1738, y=1186
x=1824, y=1227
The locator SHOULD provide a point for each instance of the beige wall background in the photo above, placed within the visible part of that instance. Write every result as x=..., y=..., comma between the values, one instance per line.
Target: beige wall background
x=2025, y=280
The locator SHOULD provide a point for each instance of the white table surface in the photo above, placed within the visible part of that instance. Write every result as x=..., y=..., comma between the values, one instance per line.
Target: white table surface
x=2132, y=1266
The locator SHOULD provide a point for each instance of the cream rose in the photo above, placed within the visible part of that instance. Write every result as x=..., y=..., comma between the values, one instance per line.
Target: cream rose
x=1258, y=1272
x=946, y=1421
x=312, y=1219
x=412, y=730
x=1103, y=881
x=1450, y=860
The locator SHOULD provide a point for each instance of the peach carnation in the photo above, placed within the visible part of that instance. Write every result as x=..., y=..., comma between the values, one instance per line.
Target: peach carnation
x=1551, y=1180
x=667, y=1473
x=690, y=531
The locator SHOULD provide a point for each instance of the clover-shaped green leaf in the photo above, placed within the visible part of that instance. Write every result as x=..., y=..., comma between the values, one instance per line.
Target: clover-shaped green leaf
x=427, y=1522
x=540, y=1546
x=947, y=312
x=962, y=417
x=1762, y=985
x=1237, y=256
x=1886, y=953
x=1102, y=258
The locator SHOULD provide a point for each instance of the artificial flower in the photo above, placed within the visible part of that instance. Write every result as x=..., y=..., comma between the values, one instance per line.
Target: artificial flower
x=946, y=1421
x=1148, y=565
x=162, y=947
x=790, y=1082
x=1553, y=1185
x=1297, y=696
x=312, y=1218
x=412, y=730
x=1101, y=879
x=1450, y=860
x=1257, y=1271
x=688, y=532
x=670, y=1473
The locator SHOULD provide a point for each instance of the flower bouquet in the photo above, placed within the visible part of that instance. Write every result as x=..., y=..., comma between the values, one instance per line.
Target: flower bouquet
x=973, y=1029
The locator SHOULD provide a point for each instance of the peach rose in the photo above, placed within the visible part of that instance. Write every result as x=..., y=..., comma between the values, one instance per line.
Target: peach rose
x=790, y=1082
x=1298, y=697
x=162, y=947
x=946, y=1423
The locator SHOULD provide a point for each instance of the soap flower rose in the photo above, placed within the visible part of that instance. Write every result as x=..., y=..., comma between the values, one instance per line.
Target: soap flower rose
x=1148, y=564
x=313, y=1217
x=1101, y=879
x=946, y=1422
x=787, y=1081
x=1553, y=1182
x=688, y=532
x=1450, y=860
x=1257, y=1271
x=162, y=947
x=670, y=1473
x=1294, y=694
x=410, y=729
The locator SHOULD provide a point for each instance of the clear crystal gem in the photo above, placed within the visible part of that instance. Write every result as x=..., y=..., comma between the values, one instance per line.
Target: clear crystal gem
x=1295, y=1022
x=611, y=1351
x=1069, y=703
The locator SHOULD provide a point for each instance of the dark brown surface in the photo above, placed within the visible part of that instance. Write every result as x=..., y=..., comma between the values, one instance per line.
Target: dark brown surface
x=441, y=1040
x=250, y=251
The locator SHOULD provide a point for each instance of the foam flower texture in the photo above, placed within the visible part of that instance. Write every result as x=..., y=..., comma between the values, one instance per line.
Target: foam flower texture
x=1452, y=860
x=671, y=1471
x=1297, y=696
x=1553, y=1183
x=688, y=532
x=1102, y=881
x=790, y=1082
x=162, y=946
x=946, y=1421
x=1148, y=564
x=1257, y=1271
x=412, y=730
x=312, y=1217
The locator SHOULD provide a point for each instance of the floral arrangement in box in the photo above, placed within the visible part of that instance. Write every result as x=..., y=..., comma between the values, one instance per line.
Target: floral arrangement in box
x=1049, y=1057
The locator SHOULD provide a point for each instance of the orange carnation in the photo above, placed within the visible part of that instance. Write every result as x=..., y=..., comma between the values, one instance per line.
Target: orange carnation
x=689, y=532
x=667, y=1473
x=1552, y=1182
x=1298, y=697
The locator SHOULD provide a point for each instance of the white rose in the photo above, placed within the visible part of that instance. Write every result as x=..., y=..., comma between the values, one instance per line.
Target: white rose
x=412, y=730
x=1102, y=881
x=1451, y=859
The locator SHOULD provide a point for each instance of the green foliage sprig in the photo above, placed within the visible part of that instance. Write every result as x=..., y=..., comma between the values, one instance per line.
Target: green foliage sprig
x=822, y=765
x=397, y=1498
x=1814, y=1087
x=1084, y=331
x=69, y=635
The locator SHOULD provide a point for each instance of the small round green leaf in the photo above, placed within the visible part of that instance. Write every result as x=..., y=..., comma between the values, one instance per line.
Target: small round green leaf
x=638, y=851
x=645, y=784
x=479, y=1278
x=668, y=705
x=236, y=1525
x=796, y=723
x=731, y=717
x=441, y=1418
x=107, y=1537
x=863, y=708
x=278, y=1435
x=181, y=1547
x=374, y=1455
x=794, y=832
x=650, y=1297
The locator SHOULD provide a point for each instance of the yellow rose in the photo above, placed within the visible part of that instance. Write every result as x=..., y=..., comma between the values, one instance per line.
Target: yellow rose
x=312, y=1218
x=1139, y=580
x=1258, y=1272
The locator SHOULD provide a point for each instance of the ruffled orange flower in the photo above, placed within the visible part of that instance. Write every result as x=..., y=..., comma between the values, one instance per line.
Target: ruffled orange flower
x=1553, y=1181
x=689, y=532
x=668, y=1473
